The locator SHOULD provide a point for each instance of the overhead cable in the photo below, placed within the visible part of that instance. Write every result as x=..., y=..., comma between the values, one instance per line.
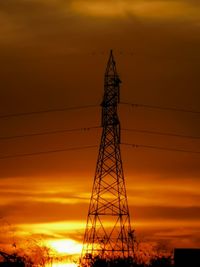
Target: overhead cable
x=161, y=133
x=48, y=133
x=161, y=148
x=46, y=152
x=161, y=107
x=21, y=114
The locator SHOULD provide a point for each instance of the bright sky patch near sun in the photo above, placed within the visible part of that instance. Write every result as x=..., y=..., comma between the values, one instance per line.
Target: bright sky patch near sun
x=65, y=264
x=67, y=246
x=53, y=227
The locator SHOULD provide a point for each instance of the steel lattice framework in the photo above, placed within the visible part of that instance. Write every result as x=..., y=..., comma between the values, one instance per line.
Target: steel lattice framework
x=108, y=232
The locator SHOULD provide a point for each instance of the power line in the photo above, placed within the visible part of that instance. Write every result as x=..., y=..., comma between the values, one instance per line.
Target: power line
x=161, y=107
x=46, y=111
x=2, y=138
x=46, y=152
x=21, y=114
x=161, y=148
x=94, y=146
x=48, y=133
x=162, y=133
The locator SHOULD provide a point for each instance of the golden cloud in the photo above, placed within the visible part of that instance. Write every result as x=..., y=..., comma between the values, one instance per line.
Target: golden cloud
x=143, y=9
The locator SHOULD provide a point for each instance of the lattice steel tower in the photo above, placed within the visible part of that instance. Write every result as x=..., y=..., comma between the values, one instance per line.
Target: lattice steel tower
x=108, y=232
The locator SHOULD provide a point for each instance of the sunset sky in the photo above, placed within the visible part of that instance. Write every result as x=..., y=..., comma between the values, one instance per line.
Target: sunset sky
x=53, y=54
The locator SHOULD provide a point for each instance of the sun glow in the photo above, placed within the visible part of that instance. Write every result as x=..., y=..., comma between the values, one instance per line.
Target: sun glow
x=67, y=246
x=68, y=264
x=62, y=264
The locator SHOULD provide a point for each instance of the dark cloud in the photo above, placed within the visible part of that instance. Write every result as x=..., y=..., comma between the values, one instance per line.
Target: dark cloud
x=40, y=212
x=167, y=239
x=164, y=64
x=161, y=213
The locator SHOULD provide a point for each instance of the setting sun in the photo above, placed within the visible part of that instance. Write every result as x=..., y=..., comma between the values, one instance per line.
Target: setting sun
x=67, y=246
x=67, y=264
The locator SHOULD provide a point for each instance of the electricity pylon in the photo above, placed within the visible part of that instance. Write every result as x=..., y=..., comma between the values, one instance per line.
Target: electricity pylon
x=108, y=232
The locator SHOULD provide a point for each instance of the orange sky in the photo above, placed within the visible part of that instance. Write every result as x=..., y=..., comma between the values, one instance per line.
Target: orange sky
x=53, y=54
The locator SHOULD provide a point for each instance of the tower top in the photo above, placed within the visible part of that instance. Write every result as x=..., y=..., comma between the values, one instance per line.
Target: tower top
x=111, y=66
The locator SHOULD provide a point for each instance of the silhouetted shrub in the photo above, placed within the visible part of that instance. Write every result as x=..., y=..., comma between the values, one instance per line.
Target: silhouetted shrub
x=130, y=262
x=161, y=262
